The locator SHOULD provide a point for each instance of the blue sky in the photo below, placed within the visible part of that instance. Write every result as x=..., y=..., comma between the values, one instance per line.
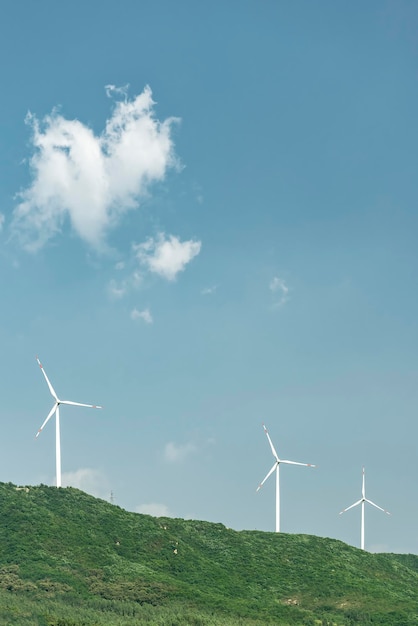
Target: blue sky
x=209, y=221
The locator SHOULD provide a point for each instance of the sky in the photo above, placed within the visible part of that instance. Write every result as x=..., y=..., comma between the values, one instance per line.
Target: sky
x=209, y=221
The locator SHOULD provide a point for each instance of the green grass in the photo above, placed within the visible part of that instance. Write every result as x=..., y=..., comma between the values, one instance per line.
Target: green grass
x=68, y=559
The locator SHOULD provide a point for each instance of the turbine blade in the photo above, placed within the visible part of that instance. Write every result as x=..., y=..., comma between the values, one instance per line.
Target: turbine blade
x=351, y=506
x=296, y=463
x=377, y=506
x=50, y=414
x=51, y=389
x=271, y=443
x=89, y=406
x=363, y=488
x=268, y=475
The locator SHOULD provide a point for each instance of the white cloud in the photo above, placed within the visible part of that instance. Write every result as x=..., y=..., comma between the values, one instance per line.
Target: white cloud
x=120, y=265
x=167, y=256
x=121, y=91
x=144, y=315
x=88, y=179
x=174, y=452
x=281, y=291
x=154, y=509
x=207, y=291
x=277, y=284
x=135, y=279
x=89, y=480
x=116, y=290
x=2, y=218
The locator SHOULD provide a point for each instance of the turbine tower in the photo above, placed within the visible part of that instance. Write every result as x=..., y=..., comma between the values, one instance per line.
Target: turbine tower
x=362, y=500
x=56, y=409
x=276, y=467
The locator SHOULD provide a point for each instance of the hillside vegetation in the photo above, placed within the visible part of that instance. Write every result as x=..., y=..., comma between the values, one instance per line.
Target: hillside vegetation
x=68, y=559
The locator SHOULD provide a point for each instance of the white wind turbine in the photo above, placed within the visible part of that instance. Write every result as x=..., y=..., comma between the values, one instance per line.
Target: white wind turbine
x=276, y=467
x=56, y=409
x=362, y=500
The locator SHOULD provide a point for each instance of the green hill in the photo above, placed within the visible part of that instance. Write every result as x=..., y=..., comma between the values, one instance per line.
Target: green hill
x=68, y=559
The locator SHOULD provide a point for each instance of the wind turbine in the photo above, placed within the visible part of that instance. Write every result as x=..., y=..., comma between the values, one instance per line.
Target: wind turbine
x=276, y=467
x=56, y=409
x=362, y=500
